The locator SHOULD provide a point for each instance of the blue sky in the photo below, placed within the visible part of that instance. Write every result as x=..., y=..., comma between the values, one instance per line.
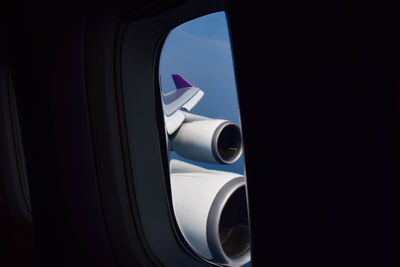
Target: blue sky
x=200, y=51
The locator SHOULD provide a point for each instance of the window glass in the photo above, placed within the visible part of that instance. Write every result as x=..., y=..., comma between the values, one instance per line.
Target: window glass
x=201, y=115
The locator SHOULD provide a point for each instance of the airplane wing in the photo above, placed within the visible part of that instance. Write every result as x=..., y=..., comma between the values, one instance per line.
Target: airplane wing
x=185, y=97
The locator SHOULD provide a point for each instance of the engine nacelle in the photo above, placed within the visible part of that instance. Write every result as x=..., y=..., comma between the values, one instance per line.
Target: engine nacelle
x=208, y=140
x=211, y=211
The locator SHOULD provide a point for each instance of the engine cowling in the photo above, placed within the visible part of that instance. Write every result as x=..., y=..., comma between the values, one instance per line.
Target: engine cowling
x=208, y=140
x=210, y=208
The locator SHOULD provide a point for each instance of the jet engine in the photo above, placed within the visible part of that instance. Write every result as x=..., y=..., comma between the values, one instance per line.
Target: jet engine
x=210, y=209
x=208, y=140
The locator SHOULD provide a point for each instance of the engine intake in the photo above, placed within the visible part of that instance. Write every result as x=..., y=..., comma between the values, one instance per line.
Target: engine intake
x=208, y=140
x=211, y=211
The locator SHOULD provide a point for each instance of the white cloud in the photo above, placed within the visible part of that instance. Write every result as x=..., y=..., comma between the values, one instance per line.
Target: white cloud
x=203, y=40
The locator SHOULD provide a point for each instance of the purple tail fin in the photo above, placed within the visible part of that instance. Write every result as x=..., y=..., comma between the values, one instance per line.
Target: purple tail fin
x=180, y=82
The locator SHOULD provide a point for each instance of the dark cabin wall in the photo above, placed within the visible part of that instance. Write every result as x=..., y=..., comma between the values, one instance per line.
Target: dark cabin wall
x=319, y=99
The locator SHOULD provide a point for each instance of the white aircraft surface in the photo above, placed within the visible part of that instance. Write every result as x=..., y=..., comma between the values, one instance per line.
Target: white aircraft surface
x=209, y=205
x=196, y=137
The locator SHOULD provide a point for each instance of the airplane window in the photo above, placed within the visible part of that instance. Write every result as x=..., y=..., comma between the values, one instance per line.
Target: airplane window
x=202, y=124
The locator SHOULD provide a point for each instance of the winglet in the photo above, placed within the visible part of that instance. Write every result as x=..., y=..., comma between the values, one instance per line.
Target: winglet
x=180, y=82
